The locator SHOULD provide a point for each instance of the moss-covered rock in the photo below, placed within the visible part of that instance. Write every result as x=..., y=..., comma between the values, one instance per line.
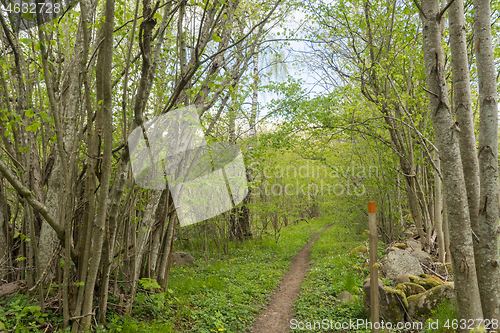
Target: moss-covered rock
x=429, y=281
x=413, y=278
x=359, y=249
x=421, y=305
x=393, y=303
x=410, y=288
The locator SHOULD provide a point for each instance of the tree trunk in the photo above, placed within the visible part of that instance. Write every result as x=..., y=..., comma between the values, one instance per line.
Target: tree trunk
x=462, y=103
x=487, y=255
x=446, y=131
x=437, y=211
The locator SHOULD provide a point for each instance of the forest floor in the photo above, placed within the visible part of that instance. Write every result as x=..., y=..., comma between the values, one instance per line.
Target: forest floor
x=260, y=286
x=276, y=316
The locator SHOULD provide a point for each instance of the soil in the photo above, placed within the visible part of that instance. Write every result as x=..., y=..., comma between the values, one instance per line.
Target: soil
x=276, y=316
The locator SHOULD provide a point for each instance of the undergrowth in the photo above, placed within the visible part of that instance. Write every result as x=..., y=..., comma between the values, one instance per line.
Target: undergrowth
x=223, y=296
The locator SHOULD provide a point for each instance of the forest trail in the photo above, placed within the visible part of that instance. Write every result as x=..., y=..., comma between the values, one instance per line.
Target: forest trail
x=277, y=314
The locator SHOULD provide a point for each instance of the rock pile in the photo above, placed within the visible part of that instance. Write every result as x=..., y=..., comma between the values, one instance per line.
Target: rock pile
x=413, y=294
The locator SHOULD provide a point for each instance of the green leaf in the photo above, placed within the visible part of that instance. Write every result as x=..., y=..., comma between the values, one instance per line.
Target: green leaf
x=26, y=41
x=216, y=38
x=29, y=113
x=44, y=115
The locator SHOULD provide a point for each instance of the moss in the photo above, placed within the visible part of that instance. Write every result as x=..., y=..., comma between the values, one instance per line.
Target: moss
x=398, y=293
x=429, y=281
x=413, y=278
x=410, y=288
x=421, y=305
x=401, y=245
x=358, y=250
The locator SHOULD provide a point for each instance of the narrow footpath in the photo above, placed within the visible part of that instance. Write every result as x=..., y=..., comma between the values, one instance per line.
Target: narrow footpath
x=276, y=316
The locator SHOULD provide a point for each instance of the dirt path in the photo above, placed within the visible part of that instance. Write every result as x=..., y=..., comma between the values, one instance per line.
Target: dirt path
x=275, y=317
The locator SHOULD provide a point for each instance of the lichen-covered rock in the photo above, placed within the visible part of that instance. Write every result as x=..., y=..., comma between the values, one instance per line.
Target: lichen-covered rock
x=401, y=261
x=413, y=245
x=410, y=288
x=359, y=249
x=421, y=305
x=422, y=257
x=402, y=278
x=393, y=303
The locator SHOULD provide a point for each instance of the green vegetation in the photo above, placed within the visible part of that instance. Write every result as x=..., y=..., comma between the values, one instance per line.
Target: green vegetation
x=223, y=296
x=226, y=294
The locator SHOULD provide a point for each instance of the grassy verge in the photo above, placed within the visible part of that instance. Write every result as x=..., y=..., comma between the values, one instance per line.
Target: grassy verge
x=332, y=271
x=221, y=297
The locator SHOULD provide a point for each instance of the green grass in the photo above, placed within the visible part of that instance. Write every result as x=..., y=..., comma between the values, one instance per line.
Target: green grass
x=220, y=297
x=332, y=271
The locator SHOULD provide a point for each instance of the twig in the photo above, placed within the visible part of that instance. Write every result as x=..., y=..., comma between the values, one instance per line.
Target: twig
x=12, y=157
x=430, y=92
x=420, y=8
x=441, y=13
x=435, y=273
x=83, y=316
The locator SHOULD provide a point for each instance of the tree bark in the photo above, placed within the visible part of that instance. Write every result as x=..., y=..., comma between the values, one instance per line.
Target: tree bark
x=446, y=131
x=437, y=212
x=462, y=103
x=487, y=255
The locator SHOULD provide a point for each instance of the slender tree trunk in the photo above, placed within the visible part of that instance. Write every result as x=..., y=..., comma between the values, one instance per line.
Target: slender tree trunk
x=447, y=132
x=437, y=211
x=104, y=129
x=462, y=103
x=487, y=255
x=446, y=230
x=4, y=246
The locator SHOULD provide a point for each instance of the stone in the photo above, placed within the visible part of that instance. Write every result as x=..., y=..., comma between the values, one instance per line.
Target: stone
x=346, y=297
x=423, y=257
x=402, y=261
x=410, y=288
x=393, y=303
x=181, y=259
x=358, y=250
x=421, y=305
x=413, y=245
x=383, y=266
x=402, y=278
